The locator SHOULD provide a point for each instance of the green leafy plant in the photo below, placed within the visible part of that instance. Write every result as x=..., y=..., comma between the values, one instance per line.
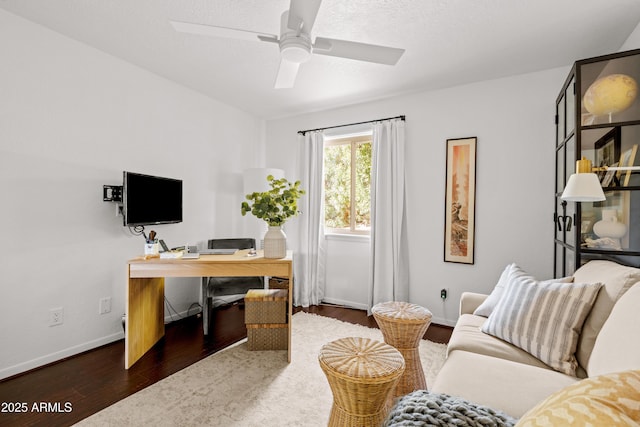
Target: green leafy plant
x=277, y=205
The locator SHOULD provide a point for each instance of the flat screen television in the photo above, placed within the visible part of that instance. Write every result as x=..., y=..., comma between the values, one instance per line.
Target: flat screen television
x=148, y=199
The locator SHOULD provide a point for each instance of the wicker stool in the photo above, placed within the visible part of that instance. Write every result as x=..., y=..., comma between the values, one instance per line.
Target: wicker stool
x=403, y=325
x=361, y=373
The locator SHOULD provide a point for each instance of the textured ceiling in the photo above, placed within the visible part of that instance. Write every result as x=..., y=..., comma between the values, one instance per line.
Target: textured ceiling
x=447, y=42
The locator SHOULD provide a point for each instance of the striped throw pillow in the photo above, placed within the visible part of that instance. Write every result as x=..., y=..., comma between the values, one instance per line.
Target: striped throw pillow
x=489, y=304
x=543, y=319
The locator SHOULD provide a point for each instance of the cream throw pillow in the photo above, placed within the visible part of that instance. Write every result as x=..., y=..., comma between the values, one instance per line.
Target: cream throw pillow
x=489, y=304
x=607, y=400
x=543, y=319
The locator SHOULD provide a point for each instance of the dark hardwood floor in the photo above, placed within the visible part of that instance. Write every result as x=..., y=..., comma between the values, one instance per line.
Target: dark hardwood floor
x=70, y=390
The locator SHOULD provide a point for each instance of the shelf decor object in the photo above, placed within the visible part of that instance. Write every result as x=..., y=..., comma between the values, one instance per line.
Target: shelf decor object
x=459, y=230
x=610, y=94
x=610, y=230
x=626, y=164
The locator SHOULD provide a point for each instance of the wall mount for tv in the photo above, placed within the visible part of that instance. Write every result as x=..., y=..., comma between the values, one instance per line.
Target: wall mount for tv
x=112, y=193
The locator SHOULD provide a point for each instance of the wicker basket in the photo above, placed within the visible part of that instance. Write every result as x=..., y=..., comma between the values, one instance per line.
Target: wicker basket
x=265, y=306
x=278, y=283
x=270, y=336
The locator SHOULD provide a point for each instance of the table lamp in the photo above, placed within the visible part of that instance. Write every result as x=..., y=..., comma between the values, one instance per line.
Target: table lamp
x=584, y=185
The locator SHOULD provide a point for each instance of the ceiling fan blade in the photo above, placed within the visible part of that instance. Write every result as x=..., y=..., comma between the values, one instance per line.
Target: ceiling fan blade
x=225, y=32
x=287, y=73
x=358, y=51
x=302, y=14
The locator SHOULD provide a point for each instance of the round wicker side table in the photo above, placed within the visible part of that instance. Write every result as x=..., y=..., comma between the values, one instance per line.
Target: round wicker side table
x=403, y=325
x=361, y=373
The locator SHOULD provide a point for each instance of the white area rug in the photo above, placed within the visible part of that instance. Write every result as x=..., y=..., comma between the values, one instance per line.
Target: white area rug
x=237, y=387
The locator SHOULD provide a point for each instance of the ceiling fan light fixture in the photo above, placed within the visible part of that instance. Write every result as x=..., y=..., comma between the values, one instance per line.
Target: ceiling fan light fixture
x=295, y=48
x=294, y=41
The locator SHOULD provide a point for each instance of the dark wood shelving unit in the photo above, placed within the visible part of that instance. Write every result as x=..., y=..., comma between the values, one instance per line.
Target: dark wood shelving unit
x=598, y=118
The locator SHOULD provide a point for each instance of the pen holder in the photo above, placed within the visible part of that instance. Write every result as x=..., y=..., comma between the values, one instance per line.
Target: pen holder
x=151, y=249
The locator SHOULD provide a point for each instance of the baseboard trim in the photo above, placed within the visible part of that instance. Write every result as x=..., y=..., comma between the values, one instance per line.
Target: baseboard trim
x=47, y=359
x=58, y=355
x=344, y=303
x=360, y=306
x=442, y=321
x=181, y=315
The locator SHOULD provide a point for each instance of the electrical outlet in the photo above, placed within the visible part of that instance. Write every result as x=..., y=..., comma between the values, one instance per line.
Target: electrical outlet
x=56, y=316
x=443, y=294
x=104, y=305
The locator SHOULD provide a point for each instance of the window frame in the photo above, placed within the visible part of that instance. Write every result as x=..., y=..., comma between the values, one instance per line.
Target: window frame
x=353, y=140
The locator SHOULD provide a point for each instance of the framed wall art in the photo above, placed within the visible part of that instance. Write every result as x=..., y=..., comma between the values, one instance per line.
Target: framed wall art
x=460, y=195
x=606, y=152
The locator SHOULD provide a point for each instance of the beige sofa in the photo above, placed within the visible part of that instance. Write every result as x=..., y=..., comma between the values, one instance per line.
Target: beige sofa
x=488, y=371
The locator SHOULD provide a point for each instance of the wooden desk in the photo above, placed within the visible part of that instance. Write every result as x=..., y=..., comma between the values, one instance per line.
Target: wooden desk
x=145, y=291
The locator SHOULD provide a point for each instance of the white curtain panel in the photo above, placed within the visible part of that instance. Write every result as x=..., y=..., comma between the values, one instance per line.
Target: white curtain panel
x=309, y=266
x=389, y=278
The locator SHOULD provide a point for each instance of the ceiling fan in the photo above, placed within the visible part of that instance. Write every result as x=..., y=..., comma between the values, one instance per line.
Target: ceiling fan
x=295, y=41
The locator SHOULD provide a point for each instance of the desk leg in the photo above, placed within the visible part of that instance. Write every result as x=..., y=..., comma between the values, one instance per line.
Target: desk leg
x=145, y=317
x=290, y=310
x=205, y=305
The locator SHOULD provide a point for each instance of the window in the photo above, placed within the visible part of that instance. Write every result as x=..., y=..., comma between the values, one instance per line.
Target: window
x=347, y=184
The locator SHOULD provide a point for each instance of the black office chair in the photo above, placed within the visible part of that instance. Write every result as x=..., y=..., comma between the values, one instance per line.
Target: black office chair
x=233, y=288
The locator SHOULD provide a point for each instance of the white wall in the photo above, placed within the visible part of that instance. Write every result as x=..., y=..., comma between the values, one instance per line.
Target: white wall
x=347, y=271
x=633, y=41
x=513, y=121
x=72, y=119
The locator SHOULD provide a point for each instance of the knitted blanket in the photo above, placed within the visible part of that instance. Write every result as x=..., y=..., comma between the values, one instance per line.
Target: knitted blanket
x=422, y=408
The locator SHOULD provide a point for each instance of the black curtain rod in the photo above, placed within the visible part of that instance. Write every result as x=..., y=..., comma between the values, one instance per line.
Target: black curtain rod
x=302, y=132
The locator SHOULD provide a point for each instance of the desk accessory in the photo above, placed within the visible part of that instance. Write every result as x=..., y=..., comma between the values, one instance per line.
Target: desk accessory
x=275, y=207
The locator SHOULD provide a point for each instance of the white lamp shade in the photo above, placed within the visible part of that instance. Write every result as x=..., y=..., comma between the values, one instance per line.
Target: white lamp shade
x=583, y=187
